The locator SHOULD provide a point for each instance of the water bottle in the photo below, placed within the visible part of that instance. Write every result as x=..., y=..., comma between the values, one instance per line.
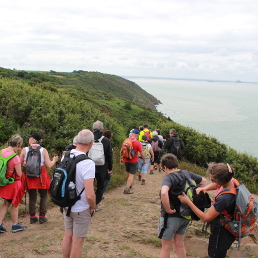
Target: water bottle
x=72, y=190
x=71, y=185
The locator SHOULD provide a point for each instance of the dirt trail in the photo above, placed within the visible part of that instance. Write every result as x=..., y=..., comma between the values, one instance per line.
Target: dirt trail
x=125, y=226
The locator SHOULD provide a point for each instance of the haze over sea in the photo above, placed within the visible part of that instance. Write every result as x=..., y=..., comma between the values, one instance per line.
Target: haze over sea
x=227, y=111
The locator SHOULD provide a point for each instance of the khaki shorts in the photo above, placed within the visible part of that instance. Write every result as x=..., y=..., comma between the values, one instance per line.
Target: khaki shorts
x=78, y=222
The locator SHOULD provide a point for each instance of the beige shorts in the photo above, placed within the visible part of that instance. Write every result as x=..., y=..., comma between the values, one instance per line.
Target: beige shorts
x=78, y=222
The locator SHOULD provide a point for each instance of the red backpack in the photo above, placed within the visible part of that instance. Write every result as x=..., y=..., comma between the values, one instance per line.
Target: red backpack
x=243, y=221
x=148, y=135
x=127, y=150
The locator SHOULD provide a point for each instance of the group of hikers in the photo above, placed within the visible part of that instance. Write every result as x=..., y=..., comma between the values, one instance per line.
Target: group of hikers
x=141, y=152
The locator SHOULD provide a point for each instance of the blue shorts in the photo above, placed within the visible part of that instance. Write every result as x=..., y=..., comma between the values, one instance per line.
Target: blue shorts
x=174, y=226
x=143, y=167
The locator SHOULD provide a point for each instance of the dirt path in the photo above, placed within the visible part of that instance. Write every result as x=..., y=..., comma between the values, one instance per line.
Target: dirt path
x=125, y=226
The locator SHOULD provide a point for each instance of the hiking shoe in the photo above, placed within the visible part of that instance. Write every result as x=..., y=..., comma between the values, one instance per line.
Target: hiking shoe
x=143, y=182
x=140, y=177
x=151, y=172
x=128, y=191
x=33, y=220
x=17, y=227
x=2, y=229
x=42, y=220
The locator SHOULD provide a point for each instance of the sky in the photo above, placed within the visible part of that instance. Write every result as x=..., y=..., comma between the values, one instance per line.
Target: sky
x=193, y=39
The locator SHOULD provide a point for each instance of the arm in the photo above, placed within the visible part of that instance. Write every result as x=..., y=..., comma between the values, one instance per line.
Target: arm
x=143, y=157
x=152, y=154
x=206, y=217
x=22, y=156
x=209, y=187
x=18, y=169
x=48, y=162
x=165, y=199
x=109, y=156
x=90, y=194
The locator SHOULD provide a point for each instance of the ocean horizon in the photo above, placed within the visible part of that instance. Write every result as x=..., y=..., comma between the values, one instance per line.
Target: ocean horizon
x=225, y=110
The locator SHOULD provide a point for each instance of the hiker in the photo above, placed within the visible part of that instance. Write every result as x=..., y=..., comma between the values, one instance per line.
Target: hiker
x=157, y=148
x=101, y=170
x=160, y=136
x=174, y=144
x=149, y=157
x=78, y=223
x=131, y=163
x=107, y=134
x=220, y=238
x=38, y=182
x=145, y=131
x=10, y=191
x=172, y=226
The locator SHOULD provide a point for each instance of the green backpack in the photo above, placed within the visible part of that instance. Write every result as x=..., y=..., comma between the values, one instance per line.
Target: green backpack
x=3, y=168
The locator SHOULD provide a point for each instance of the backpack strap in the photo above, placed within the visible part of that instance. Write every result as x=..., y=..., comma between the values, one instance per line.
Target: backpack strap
x=76, y=159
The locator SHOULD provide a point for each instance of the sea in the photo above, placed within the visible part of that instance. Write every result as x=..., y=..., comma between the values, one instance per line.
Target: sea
x=227, y=111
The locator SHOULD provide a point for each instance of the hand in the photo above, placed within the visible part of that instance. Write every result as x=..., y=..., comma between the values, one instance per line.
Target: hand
x=109, y=171
x=55, y=158
x=171, y=211
x=200, y=189
x=184, y=198
x=144, y=162
x=92, y=211
x=121, y=162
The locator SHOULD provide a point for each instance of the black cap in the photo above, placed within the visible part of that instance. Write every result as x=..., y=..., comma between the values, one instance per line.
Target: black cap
x=36, y=136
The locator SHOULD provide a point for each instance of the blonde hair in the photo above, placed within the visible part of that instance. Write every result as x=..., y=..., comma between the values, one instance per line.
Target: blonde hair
x=16, y=140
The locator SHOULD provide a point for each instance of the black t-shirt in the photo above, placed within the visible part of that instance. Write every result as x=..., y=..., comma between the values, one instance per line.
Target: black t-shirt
x=225, y=202
x=173, y=182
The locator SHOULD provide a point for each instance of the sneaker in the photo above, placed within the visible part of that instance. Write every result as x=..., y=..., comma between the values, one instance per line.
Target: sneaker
x=42, y=220
x=151, y=172
x=140, y=177
x=17, y=227
x=143, y=182
x=33, y=220
x=2, y=229
x=127, y=191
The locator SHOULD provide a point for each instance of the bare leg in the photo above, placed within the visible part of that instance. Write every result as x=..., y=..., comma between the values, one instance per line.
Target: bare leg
x=14, y=214
x=77, y=247
x=166, y=248
x=3, y=210
x=180, y=246
x=67, y=244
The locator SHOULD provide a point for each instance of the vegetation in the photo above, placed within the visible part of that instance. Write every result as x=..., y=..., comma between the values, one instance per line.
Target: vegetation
x=59, y=105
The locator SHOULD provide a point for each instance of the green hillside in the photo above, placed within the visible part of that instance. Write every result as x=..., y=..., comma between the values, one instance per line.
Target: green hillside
x=59, y=105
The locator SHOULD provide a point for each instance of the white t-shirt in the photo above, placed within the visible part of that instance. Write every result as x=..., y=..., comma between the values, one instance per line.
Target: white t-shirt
x=84, y=170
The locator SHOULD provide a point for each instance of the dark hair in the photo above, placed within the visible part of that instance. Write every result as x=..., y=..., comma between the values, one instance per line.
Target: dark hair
x=145, y=126
x=158, y=131
x=141, y=128
x=169, y=160
x=145, y=137
x=107, y=133
x=222, y=173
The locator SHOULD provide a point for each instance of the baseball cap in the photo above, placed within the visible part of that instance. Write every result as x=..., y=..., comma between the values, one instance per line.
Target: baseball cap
x=135, y=131
x=36, y=136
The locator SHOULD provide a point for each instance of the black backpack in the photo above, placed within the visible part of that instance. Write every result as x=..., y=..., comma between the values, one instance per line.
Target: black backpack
x=201, y=200
x=33, y=162
x=176, y=146
x=65, y=173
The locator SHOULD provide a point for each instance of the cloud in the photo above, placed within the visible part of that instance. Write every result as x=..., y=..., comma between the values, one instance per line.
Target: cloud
x=205, y=39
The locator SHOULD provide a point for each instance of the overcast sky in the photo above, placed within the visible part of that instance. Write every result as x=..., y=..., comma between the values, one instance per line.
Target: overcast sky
x=206, y=39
